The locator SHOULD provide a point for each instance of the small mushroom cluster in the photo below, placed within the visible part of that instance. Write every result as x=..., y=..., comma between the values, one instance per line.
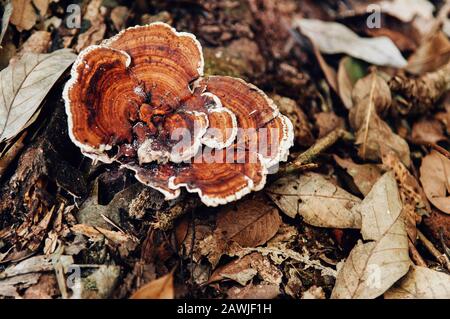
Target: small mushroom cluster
x=140, y=99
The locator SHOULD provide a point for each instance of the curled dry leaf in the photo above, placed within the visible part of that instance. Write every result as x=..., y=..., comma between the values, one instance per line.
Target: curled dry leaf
x=435, y=179
x=421, y=283
x=332, y=37
x=320, y=202
x=373, y=267
x=23, y=86
x=161, y=288
x=372, y=97
x=364, y=175
x=7, y=11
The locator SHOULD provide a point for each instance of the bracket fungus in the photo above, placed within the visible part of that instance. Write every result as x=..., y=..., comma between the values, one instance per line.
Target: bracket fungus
x=140, y=99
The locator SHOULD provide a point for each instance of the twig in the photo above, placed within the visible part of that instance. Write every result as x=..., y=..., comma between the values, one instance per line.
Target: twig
x=442, y=258
x=304, y=160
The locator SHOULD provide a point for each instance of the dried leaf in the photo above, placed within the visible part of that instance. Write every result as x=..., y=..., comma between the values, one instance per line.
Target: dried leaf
x=435, y=179
x=327, y=122
x=421, y=283
x=42, y=6
x=7, y=11
x=25, y=84
x=373, y=267
x=427, y=131
x=95, y=15
x=364, y=175
x=407, y=10
x=249, y=223
x=317, y=200
x=38, y=42
x=432, y=54
x=244, y=269
x=349, y=72
x=371, y=97
x=119, y=16
x=332, y=37
x=23, y=15
x=161, y=288
x=11, y=286
x=314, y=292
x=35, y=264
x=260, y=291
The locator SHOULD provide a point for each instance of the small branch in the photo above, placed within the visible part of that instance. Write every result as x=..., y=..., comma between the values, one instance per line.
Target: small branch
x=442, y=258
x=304, y=160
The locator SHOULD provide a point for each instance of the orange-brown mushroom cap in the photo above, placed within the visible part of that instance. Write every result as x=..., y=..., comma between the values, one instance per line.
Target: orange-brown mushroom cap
x=139, y=99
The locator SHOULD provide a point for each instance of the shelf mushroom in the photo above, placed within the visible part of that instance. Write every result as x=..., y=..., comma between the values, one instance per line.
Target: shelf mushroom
x=140, y=99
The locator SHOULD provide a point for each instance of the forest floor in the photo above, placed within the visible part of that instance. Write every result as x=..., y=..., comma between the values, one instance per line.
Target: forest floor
x=360, y=209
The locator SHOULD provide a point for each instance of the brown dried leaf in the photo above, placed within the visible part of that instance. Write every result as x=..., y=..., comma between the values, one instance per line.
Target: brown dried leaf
x=317, y=200
x=431, y=55
x=23, y=86
x=42, y=6
x=38, y=42
x=427, y=131
x=23, y=15
x=119, y=16
x=327, y=122
x=421, y=283
x=249, y=223
x=96, y=16
x=371, y=97
x=373, y=267
x=364, y=175
x=161, y=288
x=435, y=179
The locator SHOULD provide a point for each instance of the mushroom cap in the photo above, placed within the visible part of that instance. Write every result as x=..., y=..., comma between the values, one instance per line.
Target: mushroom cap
x=139, y=99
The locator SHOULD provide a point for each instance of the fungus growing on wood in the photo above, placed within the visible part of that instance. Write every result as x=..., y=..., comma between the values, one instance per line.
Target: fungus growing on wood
x=140, y=99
